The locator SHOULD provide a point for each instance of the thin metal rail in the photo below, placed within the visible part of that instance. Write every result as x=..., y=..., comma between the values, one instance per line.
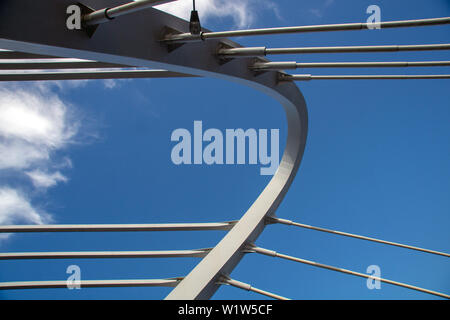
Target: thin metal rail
x=263, y=51
x=171, y=282
x=197, y=253
x=90, y=75
x=390, y=64
x=351, y=235
x=9, y=54
x=308, y=77
x=272, y=253
x=117, y=227
x=185, y=37
x=48, y=64
x=246, y=286
x=107, y=14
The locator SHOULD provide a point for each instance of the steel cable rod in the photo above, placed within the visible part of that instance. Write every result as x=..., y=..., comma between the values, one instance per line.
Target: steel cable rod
x=196, y=253
x=272, y=253
x=246, y=286
x=308, y=77
x=185, y=37
x=263, y=51
x=351, y=235
x=9, y=54
x=107, y=14
x=263, y=66
x=55, y=64
x=89, y=75
x=117, y=227
x=171, y=282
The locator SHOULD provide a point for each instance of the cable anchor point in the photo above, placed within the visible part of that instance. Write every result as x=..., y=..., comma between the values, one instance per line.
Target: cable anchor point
x=194, y=24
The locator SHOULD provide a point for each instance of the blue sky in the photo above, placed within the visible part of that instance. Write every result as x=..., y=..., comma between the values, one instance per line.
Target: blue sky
x=376, y=163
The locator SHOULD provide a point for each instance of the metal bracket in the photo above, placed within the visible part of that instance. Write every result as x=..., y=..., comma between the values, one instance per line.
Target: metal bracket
x=90, y=30
x=257, y=72
x=221, y=59
x=167, y=32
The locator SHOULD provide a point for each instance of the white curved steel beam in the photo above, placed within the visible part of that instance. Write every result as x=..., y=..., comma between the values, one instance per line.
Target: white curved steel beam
x=135, y=40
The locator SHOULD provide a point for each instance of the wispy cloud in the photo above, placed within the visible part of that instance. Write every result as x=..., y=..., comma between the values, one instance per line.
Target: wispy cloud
x=16, y=208
x=110, y=83
x=320, y=11
x=41, y=179
x=35, y=124
x=243, y=12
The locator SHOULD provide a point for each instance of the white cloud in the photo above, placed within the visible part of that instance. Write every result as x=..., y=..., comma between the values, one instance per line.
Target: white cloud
x=243, y=12
x=35, y=121
x=16, y=154
x=16, y=208
x=116, y=83
x=109, y=83
x=43, y=179
x=319, y=12
x=35, y=124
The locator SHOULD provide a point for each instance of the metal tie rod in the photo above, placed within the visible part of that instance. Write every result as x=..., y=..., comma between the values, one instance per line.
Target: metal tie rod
x=308, y=77
x=272, y=253
x=197, y=253
x=294, y=65
x=185, y=37
x=9, y=54
x=55, y=64
x=263, y=51
x=246, y=286
x=117, y=227
x=171, y=282
x=89, y=75
x=107, y=14
x=306, y=226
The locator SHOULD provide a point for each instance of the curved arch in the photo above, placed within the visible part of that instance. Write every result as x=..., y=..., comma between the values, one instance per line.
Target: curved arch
x=134, y=40
x=201, y=281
